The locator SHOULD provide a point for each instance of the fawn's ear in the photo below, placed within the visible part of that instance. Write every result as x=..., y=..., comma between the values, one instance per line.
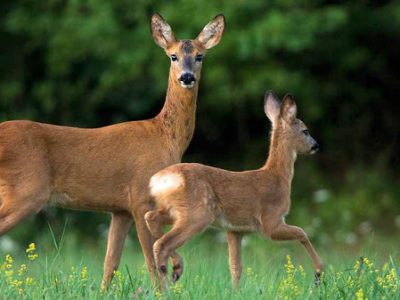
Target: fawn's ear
x=289, y=108
x=161, y=31
x=272, y=106
x=212, y=32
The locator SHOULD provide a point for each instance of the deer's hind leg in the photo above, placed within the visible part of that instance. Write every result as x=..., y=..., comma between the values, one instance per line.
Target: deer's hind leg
x=156, y=220
x=184, y=228
x=235, y=261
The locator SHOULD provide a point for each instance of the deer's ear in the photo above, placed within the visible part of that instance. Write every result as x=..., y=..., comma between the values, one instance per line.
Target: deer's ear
x=212, y=32
x=272, y=106
x=161, y=31
x=289, y=108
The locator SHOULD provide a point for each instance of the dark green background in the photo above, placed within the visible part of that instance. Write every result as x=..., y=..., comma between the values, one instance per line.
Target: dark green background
x=94, y=63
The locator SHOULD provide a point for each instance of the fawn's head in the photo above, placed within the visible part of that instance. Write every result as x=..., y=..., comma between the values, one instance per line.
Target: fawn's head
x=186, y=55
x=286, y=126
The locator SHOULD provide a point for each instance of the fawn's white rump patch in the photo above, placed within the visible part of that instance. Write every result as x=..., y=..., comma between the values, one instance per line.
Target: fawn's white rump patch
x=162, y=183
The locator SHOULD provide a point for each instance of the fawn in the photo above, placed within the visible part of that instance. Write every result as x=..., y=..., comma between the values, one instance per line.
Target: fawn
x=192, y=197
x=106, y=169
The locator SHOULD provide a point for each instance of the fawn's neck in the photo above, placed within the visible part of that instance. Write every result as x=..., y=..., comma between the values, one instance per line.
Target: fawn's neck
x=281, y=159
x=178, y=115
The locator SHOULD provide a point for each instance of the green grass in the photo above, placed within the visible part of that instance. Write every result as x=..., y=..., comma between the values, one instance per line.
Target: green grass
x=68, y=269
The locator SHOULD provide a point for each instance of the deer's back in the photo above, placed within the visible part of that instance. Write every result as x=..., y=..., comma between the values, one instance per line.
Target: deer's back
x=231, y=196
x=94, y=166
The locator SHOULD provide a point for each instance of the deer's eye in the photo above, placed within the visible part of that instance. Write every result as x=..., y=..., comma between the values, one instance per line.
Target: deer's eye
x=174, y=57
x=199, y=57
x=306, y=132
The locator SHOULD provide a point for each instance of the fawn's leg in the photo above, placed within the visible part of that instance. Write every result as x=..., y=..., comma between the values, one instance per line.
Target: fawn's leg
x=235, y=260
x=155, y=221
x=284, y=232
x=183, y=229
x=120, y=224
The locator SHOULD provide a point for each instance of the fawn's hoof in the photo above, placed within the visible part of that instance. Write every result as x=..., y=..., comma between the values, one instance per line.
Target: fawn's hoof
x=175, y=277
x=317, y=278
x=177, y=271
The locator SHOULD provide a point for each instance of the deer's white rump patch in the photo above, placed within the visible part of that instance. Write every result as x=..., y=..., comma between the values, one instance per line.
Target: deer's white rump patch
x=162, y=183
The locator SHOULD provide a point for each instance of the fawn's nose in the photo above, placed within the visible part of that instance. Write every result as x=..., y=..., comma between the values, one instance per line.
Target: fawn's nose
x=315, y=147
x=187, y=79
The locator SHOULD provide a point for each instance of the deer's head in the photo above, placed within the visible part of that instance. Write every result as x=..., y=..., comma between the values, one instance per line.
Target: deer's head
x=286, y=126
x=186, y=55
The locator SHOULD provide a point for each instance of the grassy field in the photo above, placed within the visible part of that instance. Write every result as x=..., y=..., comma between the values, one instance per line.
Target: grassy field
x=63, y=268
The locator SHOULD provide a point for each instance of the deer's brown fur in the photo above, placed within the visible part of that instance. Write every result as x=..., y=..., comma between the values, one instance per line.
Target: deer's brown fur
x=103, y=169
x=194, y=196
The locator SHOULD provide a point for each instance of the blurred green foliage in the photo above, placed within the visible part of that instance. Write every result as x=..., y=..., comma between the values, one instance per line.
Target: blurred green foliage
x=93, y=63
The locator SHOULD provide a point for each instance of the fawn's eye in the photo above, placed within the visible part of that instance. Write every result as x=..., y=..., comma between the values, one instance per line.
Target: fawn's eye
x=174, y=57
x=306, y=132
x=199, y=57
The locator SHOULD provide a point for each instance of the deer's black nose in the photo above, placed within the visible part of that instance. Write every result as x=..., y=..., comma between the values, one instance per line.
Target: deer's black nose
x=187, y=78
x=315, y=147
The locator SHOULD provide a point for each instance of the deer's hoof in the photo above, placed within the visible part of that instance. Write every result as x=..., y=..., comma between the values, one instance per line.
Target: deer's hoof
x=175, y=277
x=177, y=271
x=163, y=269
x=317, y=278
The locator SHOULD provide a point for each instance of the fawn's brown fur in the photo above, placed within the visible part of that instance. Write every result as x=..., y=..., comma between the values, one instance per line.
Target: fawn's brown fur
x=105, y=169
x=194, y=196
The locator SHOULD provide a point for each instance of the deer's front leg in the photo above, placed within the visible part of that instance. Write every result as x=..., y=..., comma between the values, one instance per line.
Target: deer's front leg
x=146, y=240
x=284, y=232
x=119, y=228
x=235, y=260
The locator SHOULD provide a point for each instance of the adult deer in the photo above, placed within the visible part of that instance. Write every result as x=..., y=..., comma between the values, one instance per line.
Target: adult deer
x=194, y=196
x=106, y=169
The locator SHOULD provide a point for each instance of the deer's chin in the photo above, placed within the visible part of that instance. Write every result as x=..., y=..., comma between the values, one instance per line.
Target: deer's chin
x=312, y=152
x=187, y=86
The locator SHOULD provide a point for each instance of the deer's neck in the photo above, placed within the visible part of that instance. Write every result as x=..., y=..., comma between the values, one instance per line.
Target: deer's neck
x=281, y=159
x=177, y=117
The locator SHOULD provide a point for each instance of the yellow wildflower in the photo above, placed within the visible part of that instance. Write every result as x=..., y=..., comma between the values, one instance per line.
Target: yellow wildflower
x=31, y=251
x=118, y=280
x=28, y=281
x=9, y=259
x=84, y=272
x=369, y=264
x=17, y=283
x=118, y=276
x=158, y=294
x=356, y=266
x=177, y=288
x=8, y=262
x=289, y=265
x=252, y=276
x=360, y=295
x=391, y=279
x=381, y=282
x=73, y=275
x=301, y=270
x=9, y=274
x=288, y=287
x=22, y=270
